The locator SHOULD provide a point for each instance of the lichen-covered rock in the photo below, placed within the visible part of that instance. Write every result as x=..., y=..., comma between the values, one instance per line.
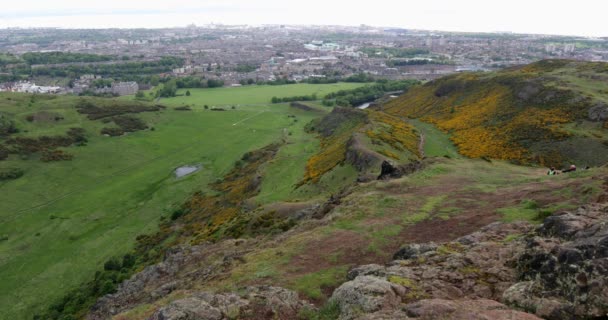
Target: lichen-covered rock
x=598, y=112
x=412, y=251
x=181, y=267
x=479, y=309
x=263, y=302
x=564, y=269
x=366, y=294
x=478, y=266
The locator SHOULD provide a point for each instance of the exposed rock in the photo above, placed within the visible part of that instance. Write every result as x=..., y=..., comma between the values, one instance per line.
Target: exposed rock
x=478, y=266
x=390, y=171
x=479, y=309
x=360, y=156
x=565, y=276
x=182, y=266
x=263, y=302
x=557, y=271
x=333, y=201
x=301, y=106
x=412, y=251
x=567, y=224
x=599, y=112
x=367, y=294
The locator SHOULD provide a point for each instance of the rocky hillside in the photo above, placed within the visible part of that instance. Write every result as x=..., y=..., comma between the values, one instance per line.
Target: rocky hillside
x=554, y=271
x=407, y=236
x=552, y=112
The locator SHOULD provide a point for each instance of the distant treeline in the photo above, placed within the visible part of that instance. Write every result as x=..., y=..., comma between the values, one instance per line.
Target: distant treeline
x=310, y=97
x=124, y=71
x=355, y=97
x=357, y=78
x=169, y=88
x=63, y=57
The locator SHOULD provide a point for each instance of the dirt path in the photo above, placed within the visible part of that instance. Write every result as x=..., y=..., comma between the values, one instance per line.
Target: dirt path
x=421, y=146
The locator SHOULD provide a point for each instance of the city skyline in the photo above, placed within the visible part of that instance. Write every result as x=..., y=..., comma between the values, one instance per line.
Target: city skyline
x=540, y=17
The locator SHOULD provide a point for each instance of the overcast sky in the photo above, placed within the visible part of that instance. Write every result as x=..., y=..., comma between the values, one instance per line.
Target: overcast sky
x=581, y=17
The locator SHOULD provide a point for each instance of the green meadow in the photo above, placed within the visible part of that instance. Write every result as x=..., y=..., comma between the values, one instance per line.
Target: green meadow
x=61, y=220
x=252, y=95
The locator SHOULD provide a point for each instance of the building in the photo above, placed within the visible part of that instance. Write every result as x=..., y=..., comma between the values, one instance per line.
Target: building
x=125, y=88
x=29, y=87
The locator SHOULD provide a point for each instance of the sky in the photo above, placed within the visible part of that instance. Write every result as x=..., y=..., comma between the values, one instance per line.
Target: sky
x=564, y=17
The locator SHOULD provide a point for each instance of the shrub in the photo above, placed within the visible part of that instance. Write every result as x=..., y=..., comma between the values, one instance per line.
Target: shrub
x=55, y=155
x=112, y=264
x=10, y=173
x=113, y=132
x=177, y=213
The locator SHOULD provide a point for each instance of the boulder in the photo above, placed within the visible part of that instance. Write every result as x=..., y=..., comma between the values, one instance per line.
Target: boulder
x=366, y=294
x=391, y=171
x=413, y=251
x=261, y=302
x=599, y=112
x=479, y=309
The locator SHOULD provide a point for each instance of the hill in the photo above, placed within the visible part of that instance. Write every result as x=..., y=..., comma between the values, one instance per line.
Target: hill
x=553, y=112
x=82, y=177
x=316, y=213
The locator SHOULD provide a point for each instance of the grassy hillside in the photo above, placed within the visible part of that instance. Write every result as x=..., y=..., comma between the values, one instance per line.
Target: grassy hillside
x=449, y=199
x=547, y=112
x=61, y=220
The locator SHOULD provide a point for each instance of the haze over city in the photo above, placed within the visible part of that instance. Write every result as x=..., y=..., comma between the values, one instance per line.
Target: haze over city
x=581, y=18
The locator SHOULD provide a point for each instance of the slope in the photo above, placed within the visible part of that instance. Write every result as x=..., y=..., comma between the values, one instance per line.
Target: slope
x=552, y=112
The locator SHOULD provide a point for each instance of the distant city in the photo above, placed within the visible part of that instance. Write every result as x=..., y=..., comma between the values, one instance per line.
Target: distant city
x=245, y=55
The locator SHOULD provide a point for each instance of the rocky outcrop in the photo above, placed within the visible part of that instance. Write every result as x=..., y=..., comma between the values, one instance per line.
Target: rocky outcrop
x=564, y=267
x=262, y=302
x=302, y=106
x=478, y=309
x=558, y=270
x=182, y=267
x=599, y=112
x=391, y=171
x=477, y=266
x=360, y=156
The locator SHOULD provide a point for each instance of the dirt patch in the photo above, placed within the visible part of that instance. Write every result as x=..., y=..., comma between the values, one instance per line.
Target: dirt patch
x=342, y=247
x=44, y=117
x=289, y=209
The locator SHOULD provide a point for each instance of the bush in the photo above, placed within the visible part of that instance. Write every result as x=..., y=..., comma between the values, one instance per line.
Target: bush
x=10, y=173
x=108, y=287
x=177, y=213
x=113, y=132
x=55, y=155
x=112, y=264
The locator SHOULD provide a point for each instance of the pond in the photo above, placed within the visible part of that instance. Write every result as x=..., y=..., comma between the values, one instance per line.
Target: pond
x=186, y=170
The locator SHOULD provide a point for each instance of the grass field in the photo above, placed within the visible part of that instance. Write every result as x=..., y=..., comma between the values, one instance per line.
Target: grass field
x=250, y=95
x=436, y=143
x=64, y=219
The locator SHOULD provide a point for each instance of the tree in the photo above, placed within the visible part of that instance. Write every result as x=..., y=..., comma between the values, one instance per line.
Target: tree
x=187, y=93
x=206, y=107
x=112, y=264
x=169, y=89
x=139, y=95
